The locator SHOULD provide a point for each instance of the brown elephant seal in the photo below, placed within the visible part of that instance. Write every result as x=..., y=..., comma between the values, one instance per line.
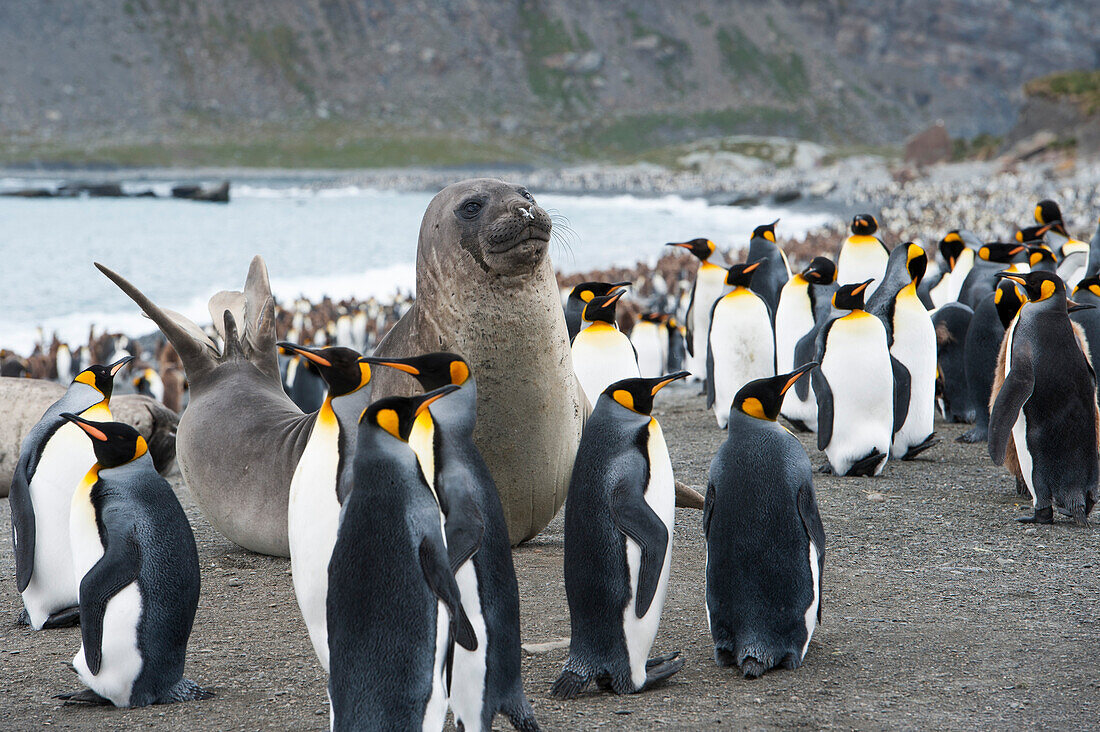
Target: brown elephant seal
x=485, y=289
x=23, y=401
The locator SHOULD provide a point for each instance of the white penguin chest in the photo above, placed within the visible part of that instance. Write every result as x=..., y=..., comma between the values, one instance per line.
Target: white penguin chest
x=857, y=367
x=793, y=319
x=862, y=258
x=647, y=343
x=66, y=458
x=87, y=547
x=601, y=356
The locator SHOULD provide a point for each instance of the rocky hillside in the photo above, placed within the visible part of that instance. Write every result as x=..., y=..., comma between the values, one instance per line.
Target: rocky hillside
x=348, y=81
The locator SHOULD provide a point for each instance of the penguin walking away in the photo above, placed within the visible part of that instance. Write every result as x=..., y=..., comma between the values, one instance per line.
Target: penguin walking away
x=765, y=541
x=580, y=296
x=774, y=270
x=983, y=344
x=320, y=482
x=649, y=336
x=618, y=544
x=710, y=283
x=53, y=459
x=486, y=680
x=602, y=354
x=854, y=384
x=135, y=552
x=862, y=255
x=390, y=574
x=1047, y=405
x=804, y=305
x=741, y=346
x=912, y=339
x=951, y=322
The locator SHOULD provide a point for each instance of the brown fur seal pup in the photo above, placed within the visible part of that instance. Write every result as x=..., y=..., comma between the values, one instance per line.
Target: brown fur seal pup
x=23, y=401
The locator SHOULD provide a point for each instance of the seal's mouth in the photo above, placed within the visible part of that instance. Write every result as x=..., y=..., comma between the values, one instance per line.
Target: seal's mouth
x=529, y=234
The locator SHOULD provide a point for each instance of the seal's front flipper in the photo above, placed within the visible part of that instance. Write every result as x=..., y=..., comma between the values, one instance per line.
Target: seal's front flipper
x=66, y=618
x=660, y=669
x=87, y=696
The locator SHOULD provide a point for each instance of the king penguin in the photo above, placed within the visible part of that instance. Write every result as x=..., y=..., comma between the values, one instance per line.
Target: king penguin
x=854, y=386
x=862, y=256
x=952, y=321
x=765, y=541
x=320, y=482
x=1073, y=254
x=53, y=459
x=486, y=680
x=741, y=346
x=804, y=305
x=710, y=283
x=992, y=258
x=649, y=336
x=912, y=339
x=135, y=554
x=774, y=270
x=618, y=544
x=602, y=354
x=960, y=260
x=1088, y=317
x=390, y=574
x=580, y=296
x=1047, y=405
x=983, y=344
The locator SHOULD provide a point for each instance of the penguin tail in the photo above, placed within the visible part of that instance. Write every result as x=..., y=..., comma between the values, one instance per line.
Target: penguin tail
x=866, y=466
x=569, y=684
x=185, y=690
x=521, y=715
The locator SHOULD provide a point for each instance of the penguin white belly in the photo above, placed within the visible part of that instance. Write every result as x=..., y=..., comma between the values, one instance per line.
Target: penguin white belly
x=435, y=712
x=313, y=516
x=811, y=611
x=66, y=458
x=121, y=659
x=710, y=283
x=859, y=262
x=915, y=346
x=1019, y=429
x=941, y=293
x=601, y=356
x=660, y=495
x=742, y=347
x=857, y=366
x=958, y=275
x=647, y=344
x=794, y=318
x=468, y=682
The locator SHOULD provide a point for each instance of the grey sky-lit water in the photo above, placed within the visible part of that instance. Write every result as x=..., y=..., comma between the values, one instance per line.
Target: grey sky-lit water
x=340, y=242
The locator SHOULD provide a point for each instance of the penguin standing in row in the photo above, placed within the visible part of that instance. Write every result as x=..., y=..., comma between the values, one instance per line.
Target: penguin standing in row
x=983, y=344
x=1087, y=318
x=677, y=351
x=952, y=322
x=854, y=386
x=649, y=336
x=741, y=346
x=580, y=296
x=710, y=283
x=804, y=305
x=991, y=259
x=1047, y=405
x=135, y=553
x=54, y=457
x=1073, y=254
x=602, y=354
x=765, y=541
x=774, y=271
x=390, y=573
x=912, y=339
x=618, y=544
x=862, y=256
x=320, y=483
x=486, y=680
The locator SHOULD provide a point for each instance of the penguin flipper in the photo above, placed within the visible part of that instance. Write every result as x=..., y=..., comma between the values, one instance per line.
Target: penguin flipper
x=824, y=397
x=811, y=522
x=441, y=580
x=689, y=338
x=804, y=352
x=116, y=569
x=465, y=527
x=708, y=509
x=902, y=387
x=1015, y=390
x=633, y=516
x=22, y=525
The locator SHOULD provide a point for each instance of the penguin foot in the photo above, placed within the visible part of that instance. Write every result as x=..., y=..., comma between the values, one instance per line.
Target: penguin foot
x=724, y=658
x=826, y=469
x=568, y=685
x=867, y=466
x=798, y=424
x=185, y=690
x=915, y=450
x=1042, y=516
x=86, y=696
x=521, y=715
x=975, y=434
x=658, y=660
x=66, y=618
x=753, y=669
x=24, y=618
x=661, y=668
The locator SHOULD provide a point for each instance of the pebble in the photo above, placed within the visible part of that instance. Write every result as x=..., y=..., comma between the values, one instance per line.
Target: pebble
x=545, y=647
x=234, y=582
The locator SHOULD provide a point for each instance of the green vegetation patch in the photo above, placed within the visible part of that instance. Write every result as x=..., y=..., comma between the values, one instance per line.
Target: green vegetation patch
x=1079, y=87
x=785, y=70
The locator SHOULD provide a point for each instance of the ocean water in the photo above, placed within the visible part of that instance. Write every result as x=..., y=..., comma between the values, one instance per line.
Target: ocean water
x=341, y=242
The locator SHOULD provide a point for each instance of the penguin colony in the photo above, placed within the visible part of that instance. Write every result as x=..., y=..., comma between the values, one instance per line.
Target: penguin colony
x=394, y=520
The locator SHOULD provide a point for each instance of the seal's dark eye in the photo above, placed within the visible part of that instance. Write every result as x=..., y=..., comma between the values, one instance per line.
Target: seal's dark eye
x=470, y=209
x=527, y=194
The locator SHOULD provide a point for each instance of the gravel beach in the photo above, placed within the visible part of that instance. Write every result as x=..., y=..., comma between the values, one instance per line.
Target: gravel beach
x=939, y=612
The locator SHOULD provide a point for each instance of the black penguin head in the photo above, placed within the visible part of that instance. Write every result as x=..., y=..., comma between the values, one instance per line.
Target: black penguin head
x=864, y=225
x=1089, y=284
x=765, y=231
x=1000, y=252
x=602, y=308
x=701, y=248
x=396, y=415
x=1039, y=286
x=637, y=394
x=951, y=248
x=740, y=275
x=431, y=370
x=585, y=291
x=339, y=367
x=763, y=398
x=1029, y=234
x=114, y=443
x=653, y=317
x=822, y=271
x=850, y=297
x=102, y=378
x=1040, y=256
x=1048, y=213
x=1008, y=300
x=916, y=261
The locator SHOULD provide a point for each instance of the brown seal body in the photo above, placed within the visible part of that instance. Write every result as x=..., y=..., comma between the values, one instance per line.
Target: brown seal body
x=23, y=401
x=485, y=289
